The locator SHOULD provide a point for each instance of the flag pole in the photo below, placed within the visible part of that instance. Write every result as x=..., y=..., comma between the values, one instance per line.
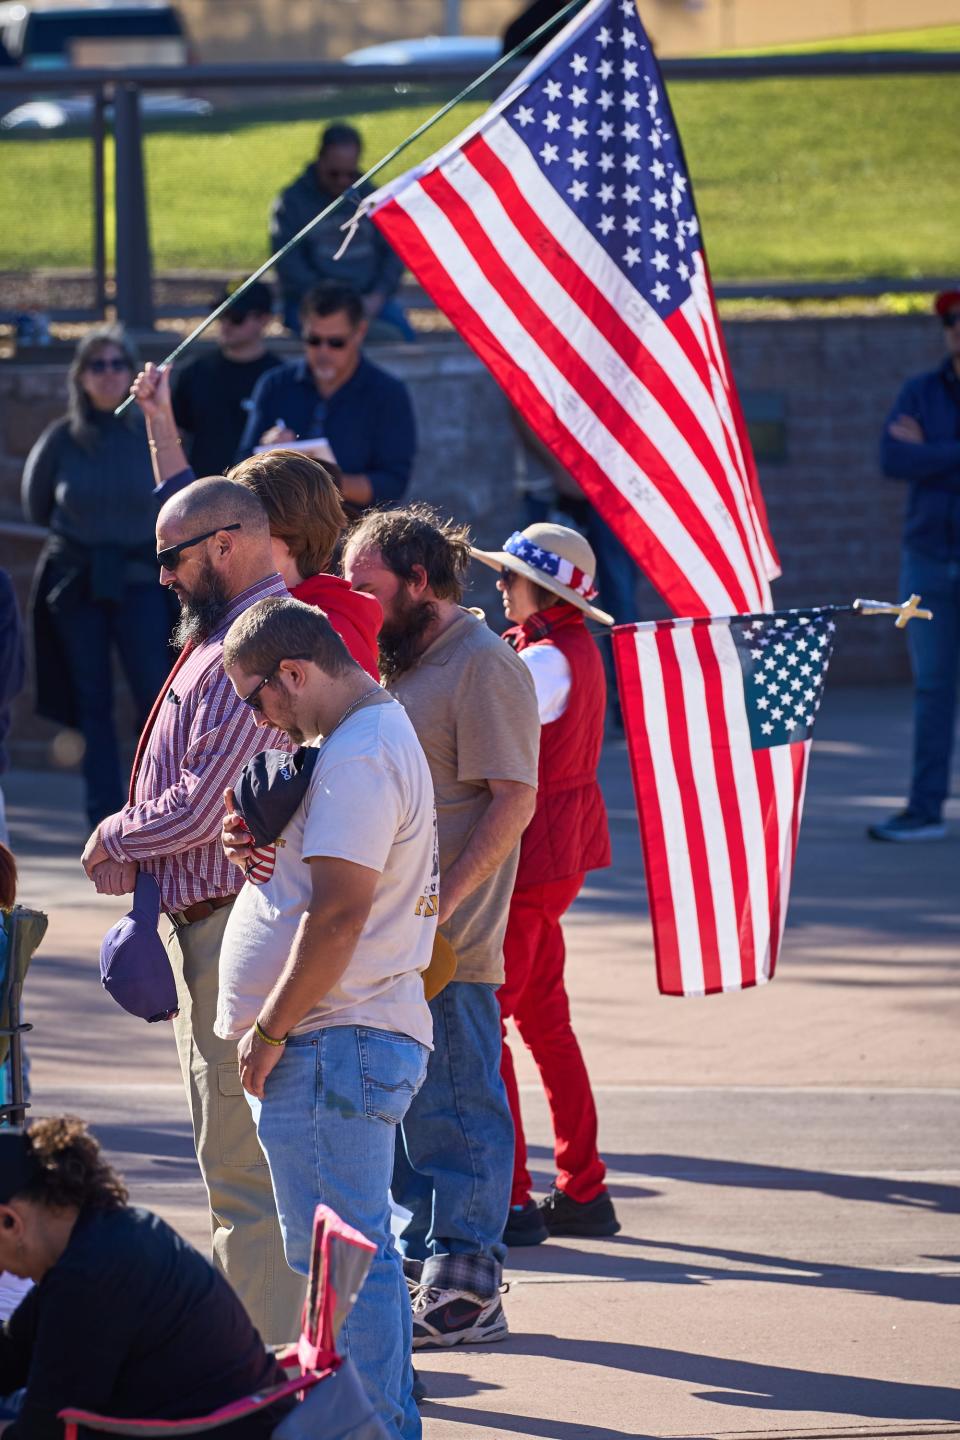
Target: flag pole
x=352, y=193
x=905, y=611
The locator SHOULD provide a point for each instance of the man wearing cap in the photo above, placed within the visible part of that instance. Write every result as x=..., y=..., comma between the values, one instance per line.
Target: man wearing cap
x=213, y=543
x=547, y=583
x=473, y=705
x=211, y=394
x=921, y=445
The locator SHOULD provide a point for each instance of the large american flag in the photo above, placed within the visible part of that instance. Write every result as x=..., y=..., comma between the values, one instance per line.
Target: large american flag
x=719, y=717
x=559, y=235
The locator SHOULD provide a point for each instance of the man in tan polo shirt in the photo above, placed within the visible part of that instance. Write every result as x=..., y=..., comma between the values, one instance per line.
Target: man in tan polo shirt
x=473, y=705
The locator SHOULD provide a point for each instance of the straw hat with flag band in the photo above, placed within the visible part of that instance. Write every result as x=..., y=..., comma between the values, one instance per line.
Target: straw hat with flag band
x=554, y=557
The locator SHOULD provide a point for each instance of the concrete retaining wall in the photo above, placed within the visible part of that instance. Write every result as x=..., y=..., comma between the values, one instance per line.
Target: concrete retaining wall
x=819, y=389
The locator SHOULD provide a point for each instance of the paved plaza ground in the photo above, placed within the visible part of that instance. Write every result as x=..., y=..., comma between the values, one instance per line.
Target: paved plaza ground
x=786, y=1162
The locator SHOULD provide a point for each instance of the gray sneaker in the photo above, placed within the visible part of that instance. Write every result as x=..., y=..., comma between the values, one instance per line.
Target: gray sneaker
x=442, y=1318
x=908, y=827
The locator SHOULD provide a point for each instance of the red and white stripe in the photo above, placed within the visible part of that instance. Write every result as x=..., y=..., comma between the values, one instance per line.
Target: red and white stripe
x=641, y=411
x=719, y=820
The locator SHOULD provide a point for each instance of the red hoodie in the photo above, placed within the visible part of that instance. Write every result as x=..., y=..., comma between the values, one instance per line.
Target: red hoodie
x=355, y=616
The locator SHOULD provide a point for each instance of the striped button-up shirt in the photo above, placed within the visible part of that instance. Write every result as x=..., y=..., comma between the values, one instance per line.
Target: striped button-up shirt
x=201, y=740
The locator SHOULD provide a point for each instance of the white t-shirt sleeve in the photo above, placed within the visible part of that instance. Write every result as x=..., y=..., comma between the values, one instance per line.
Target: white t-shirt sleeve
x=356, y=808
x=551, y=678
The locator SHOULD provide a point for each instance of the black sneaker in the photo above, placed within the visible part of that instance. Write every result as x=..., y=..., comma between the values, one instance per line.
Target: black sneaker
x=563, y=1216
x=420, y=1391
x=412, y=1270
x=525, y=1226
x=442, y=1318
x=908, y=827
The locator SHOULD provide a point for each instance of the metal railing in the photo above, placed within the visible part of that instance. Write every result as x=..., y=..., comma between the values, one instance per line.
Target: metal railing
x=120, y=91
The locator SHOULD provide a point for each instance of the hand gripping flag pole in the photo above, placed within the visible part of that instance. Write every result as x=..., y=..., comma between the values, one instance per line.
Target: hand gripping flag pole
x=719, y=714
x=353, y=193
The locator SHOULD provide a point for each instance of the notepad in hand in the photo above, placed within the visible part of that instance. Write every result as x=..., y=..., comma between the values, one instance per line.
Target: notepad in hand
x=317, y=449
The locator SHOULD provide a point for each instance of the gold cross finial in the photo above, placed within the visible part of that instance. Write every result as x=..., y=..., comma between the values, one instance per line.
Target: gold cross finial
x=906, y=611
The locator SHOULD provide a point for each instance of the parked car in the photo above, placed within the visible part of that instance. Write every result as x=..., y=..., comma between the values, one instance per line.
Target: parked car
x=47, y=38
x=439, y=50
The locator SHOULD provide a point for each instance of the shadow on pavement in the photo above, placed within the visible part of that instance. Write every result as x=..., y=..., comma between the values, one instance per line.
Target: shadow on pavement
x=529, y=1424
x=922, y=1286
x=878, y=1189
x=753, y=1386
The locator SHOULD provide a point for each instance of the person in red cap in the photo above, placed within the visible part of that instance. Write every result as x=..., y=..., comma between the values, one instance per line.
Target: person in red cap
x=921, y=445
x=547, y=582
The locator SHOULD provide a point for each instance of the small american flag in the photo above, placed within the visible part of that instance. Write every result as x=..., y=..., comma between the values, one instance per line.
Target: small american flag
x=719, y=717
x=559, y=235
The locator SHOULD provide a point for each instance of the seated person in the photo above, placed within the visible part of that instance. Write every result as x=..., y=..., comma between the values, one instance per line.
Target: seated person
x=369, y=265
x=335, y=393
x=125, y=1318
x=304, y=509
x=210, y=394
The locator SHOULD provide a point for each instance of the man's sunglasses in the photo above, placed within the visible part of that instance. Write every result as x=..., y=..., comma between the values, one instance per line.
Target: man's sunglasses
x=169, y=559
x=251, y=699
x=100, y=367
x=951, y=318
x=332, y=342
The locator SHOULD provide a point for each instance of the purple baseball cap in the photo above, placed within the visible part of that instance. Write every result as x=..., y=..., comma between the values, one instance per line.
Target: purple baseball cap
x=134, y=968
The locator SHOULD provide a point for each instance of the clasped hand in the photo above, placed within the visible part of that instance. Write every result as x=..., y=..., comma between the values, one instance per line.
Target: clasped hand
x=235, y=838
x=110, y=877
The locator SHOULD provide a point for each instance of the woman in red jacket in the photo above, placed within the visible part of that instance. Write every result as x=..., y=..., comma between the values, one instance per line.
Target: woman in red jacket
x=546, y=579
x=303, y=507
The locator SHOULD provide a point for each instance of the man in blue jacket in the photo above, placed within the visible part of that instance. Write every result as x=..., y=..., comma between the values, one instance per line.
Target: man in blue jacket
x=921, y=445
x=334, y=393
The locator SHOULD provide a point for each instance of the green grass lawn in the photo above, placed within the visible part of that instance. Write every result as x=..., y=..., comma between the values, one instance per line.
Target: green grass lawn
x=932, y=37
x=794, y=179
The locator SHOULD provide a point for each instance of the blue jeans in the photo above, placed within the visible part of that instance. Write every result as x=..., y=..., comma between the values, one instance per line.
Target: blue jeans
x=327, y=1128
x=89, y=630
x=454, y=1164
x=934, y=653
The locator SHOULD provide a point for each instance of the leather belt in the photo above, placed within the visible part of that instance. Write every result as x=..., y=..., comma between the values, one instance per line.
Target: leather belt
x=200, y=911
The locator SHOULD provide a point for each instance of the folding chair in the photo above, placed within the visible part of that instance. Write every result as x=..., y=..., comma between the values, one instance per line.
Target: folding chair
x=21, y=931
x=339, y=1409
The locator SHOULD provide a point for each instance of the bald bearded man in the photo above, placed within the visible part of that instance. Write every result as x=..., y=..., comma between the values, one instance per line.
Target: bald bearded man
x=213, y=548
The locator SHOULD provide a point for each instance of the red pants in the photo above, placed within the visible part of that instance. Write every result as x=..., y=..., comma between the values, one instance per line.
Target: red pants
x=535, y=995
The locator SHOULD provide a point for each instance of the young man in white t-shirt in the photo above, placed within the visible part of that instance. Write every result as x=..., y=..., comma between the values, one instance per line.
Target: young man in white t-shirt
x=321, y=964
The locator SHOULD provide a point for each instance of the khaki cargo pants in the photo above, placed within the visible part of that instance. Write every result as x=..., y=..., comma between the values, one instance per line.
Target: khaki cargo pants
x=247, y=1244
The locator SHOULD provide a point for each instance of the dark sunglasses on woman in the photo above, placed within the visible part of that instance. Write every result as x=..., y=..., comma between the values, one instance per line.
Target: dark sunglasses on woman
x=100, y=367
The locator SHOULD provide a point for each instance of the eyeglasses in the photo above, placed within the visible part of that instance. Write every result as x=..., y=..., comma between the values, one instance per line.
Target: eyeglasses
x=507, y=577
x=951, y=318
x=251, y=699
x=332, y=342
x=100, y=367
x=169, y=559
